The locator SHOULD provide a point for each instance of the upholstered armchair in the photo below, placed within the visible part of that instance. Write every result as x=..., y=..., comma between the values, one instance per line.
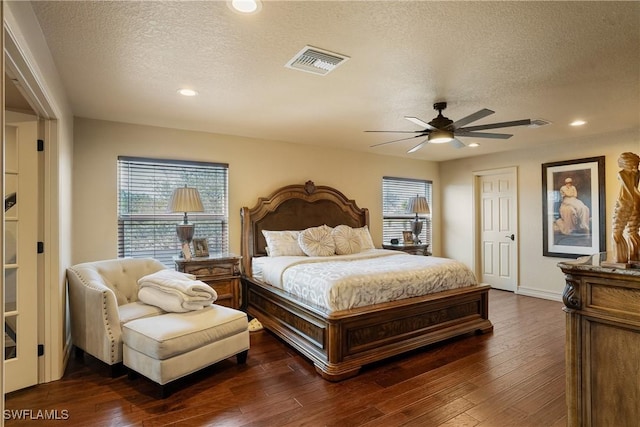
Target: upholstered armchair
x=103, y=295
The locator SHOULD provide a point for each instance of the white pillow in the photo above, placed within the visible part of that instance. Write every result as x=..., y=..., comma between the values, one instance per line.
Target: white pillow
x=317, y=241
x=346, y=239
x=283, y=243
x=366, y=242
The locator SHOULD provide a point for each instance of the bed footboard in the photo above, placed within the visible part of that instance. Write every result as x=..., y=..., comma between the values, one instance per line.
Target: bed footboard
x=340, y=343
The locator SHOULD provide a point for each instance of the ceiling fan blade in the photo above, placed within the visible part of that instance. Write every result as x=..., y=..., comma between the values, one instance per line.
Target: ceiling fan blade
x=471, y=118
x=524, y=122
x=419, y=122
x=396, y=140
x=485, y=135
x=396, y=131
x=417, y=147
x=456, y=143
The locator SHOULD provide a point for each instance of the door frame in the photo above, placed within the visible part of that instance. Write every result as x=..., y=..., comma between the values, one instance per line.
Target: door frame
x=51, y=304
x=477, y=228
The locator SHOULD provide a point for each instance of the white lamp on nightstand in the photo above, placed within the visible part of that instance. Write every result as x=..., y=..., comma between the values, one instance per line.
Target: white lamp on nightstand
x=417, y=205
x=185, y=199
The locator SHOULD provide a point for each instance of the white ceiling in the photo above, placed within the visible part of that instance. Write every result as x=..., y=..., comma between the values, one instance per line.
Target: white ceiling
x=558, y=61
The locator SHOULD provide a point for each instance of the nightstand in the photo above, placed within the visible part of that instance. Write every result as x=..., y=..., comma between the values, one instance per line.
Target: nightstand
x=220, y=271
x=410, y=248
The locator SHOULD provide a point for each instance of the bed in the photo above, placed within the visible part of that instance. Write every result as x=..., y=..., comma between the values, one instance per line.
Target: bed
x=340, y=341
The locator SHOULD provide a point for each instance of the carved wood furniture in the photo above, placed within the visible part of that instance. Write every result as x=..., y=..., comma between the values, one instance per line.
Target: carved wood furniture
x=220, y=271
x=340, y=343
x=602, y=306
x=410, y=248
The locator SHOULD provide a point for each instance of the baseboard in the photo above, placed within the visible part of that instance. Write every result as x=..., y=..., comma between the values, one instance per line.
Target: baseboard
x=66, y=353
x=538, y=293
x=68, y=345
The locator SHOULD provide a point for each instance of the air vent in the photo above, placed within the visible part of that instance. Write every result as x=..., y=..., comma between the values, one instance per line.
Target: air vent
x=317, y=61
x=536, y=123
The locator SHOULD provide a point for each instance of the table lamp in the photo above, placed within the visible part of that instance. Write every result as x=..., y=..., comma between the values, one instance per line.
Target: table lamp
x=185, y=199
x=417, y=205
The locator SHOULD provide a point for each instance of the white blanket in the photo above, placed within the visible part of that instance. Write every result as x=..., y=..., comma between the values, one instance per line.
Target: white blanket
x=371, y=277
x=175, y=291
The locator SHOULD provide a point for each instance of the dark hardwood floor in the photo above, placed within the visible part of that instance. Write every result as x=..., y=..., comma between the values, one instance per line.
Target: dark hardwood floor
x=511, y=377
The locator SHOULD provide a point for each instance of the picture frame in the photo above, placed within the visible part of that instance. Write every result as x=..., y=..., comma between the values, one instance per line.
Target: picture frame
x=200, y=247
x=573, y=207
x=407, y=237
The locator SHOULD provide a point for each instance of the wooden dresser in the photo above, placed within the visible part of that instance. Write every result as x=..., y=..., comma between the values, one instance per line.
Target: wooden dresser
x=602, y=306
x=220, y=271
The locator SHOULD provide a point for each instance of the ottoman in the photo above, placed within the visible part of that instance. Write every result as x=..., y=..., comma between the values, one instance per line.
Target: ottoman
x=169, y=346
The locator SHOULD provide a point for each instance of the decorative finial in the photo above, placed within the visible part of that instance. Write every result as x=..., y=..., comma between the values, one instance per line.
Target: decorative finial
x=309, y=187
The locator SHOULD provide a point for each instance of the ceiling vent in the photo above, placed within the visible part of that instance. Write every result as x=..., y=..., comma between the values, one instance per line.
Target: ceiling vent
x=537, y=123
x=316, y=61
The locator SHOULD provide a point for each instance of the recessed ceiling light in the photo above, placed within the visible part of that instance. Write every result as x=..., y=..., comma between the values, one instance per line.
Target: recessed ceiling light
x=187, y=92
x=245, y=6
x=577, y=123
x=473, y=145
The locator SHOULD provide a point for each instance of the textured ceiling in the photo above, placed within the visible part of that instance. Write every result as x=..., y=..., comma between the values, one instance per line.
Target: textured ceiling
x=557, y=61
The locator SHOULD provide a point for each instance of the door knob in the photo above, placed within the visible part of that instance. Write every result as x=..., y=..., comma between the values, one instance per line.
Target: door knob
x=512, y=236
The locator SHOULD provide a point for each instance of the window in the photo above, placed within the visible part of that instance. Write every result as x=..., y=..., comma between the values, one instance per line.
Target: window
x=145, y=186
x=396, y=193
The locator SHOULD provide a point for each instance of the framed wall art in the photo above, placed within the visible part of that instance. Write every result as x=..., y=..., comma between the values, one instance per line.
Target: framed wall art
x=573, y=207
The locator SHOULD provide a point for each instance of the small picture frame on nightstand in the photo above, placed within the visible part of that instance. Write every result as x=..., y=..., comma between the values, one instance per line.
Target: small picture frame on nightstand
x=407, y=236
x=200, y=248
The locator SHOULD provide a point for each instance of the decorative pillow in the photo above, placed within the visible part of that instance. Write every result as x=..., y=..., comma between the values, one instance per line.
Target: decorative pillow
x=283, y=243
x=317, y=241
x=366, y=242
x=347, y=240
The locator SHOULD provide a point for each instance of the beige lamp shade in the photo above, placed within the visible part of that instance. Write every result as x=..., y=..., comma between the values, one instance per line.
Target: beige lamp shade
x=418, y=205
x=185, y=199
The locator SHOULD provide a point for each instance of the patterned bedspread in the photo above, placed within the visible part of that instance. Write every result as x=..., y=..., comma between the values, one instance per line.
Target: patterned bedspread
x=370, y=277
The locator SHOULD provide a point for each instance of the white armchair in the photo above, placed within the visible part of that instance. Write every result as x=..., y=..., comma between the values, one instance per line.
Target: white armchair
x=103, y=295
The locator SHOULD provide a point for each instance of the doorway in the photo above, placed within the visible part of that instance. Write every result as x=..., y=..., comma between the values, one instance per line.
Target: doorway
x=496, y=201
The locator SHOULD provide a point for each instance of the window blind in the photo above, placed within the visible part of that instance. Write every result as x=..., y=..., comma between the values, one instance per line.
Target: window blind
x=145, y=226
x=396, y=193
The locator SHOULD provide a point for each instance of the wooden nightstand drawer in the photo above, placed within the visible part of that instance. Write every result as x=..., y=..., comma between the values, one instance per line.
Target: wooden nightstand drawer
x=206, y=270
x=220, y=271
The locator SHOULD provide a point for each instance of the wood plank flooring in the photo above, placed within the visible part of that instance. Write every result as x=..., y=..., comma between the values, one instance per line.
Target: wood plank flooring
x=511, y=377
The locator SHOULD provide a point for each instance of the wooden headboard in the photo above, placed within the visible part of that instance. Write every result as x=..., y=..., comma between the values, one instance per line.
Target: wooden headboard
x=295, y=207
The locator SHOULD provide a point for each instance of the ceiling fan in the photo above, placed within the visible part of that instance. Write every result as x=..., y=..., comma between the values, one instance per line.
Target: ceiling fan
x=442, y=129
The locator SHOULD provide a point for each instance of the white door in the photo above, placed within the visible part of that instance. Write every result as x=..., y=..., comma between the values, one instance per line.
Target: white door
x=20, y=263
x=498, y=239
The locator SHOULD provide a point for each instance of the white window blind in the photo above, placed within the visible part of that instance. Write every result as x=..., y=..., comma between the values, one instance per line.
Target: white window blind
x=145, y=226
x=396, y=193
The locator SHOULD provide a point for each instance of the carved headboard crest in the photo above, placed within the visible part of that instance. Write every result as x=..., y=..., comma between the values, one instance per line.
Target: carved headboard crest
x=309, y=187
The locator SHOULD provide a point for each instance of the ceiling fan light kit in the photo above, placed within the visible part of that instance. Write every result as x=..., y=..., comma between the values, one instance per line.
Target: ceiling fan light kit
x=440, y=136
x=442, y=130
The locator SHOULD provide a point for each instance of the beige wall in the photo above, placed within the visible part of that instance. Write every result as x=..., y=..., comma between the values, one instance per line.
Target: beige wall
x=539, y=276
x=256, y=168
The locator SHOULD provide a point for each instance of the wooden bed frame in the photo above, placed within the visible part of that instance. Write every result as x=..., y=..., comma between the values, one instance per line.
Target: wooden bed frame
x=340, y=343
